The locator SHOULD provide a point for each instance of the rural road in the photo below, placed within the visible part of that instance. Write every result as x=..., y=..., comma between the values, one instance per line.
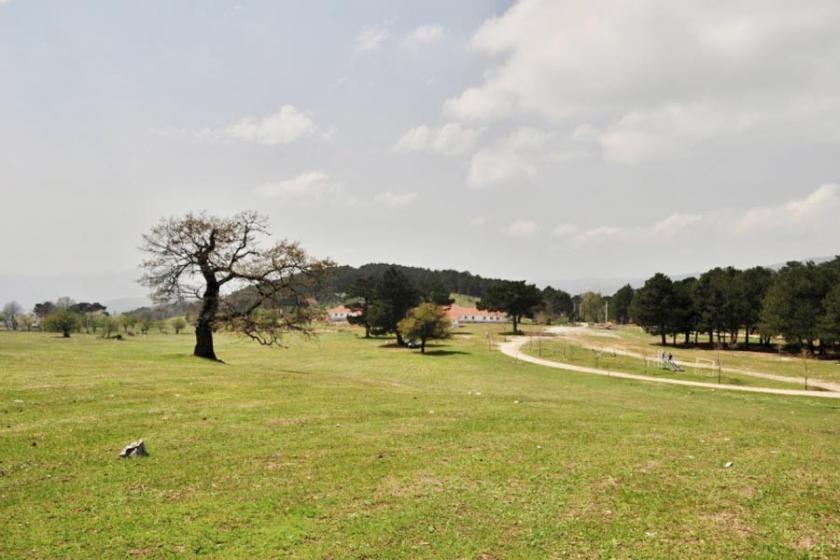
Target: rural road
x=512, y=349
x=812, y=382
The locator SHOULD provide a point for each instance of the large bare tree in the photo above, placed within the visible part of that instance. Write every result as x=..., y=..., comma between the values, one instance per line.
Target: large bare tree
x=260, y=291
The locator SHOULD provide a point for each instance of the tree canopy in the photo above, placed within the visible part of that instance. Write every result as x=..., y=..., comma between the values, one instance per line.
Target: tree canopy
x=652, y=307
x=425, y=322
x=394, y=295
x=517, y=299
x=244, y=287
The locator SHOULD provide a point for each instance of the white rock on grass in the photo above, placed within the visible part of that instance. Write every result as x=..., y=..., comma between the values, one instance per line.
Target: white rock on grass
x=134, y=449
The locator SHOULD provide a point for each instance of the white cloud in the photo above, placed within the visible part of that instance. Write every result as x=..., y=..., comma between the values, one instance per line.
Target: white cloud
x=395, y=200
x=478, y=221
x=811, y=217
x=522, y=229
x=565, y=230
x=450, y=139
x=813, y=213
x=676, y=225
x=656, y=79
x=516, y=157
x=283, y=127
x=423, y=36
x=312, y=184
x=371, y=37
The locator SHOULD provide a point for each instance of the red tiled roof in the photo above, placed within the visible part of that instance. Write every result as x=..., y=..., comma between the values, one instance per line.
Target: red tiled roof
x=342, y=309
x=454, y=311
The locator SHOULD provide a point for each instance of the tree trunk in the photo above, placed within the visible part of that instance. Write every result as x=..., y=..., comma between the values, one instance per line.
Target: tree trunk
x=747, y=330
x=400, y=341
x=367, y=322
x=65, y=333
x=422, y=345
x=515, y=324
x=662, y=334
x=674, y=338
x=204, y=324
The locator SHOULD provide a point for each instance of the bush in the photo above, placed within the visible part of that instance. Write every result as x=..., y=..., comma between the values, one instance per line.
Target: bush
x=63, y=321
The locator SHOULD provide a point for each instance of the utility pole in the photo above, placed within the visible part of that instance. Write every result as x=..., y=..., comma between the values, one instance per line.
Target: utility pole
x=607, y=311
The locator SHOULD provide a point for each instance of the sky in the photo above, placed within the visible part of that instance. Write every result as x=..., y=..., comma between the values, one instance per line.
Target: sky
x=546, y=140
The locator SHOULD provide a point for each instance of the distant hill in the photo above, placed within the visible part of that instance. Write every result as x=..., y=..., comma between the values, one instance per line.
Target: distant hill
x=453, y=281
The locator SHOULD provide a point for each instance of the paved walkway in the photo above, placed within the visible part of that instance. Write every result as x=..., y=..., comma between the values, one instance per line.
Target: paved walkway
x=513, y=349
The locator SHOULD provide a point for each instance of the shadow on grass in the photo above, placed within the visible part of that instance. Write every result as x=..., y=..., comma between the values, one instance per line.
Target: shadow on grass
x=444, y=353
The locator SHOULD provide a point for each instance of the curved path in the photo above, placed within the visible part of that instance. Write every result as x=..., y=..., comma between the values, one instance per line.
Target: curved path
x=568, y=333
x=512, y=349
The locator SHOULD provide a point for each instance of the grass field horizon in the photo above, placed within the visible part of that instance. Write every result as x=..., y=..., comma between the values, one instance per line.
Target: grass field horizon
x=347, y=448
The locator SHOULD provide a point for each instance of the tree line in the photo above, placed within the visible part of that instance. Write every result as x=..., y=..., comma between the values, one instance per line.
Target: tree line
x=66, y=316
x=342, y=278
x=799, y=303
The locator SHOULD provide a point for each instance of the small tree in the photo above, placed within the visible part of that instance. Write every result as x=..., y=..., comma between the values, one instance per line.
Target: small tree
x=43, y=310
x=652, y=306
x=829, y=321
x=63, y=321
x=394, y=296
x=592, y=307
x=427, y=321
x=179, y=324
x=620, y=304
x=517, y=299
x=146, y=323
x=556, y=303
x=26, y=321
x=110, y=326
x=11, y=313
x=128, y=322
x=244, y=287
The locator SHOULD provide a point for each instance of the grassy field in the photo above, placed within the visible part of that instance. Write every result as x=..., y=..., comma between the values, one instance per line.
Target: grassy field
x=345, y=448
x=567, y=352
x=635, y=340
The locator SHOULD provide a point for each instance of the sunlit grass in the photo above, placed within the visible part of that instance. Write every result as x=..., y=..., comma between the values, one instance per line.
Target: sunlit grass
x=564, y=351
x=342, y=447
x=633, y=339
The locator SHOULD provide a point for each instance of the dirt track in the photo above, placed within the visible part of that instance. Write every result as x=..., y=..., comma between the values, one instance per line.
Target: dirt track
x=512, y=349
x=813, y=382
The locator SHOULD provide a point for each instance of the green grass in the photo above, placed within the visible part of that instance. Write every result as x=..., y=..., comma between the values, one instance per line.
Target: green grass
x=465, y=300
x=633, y=339
x=563, y=351
x=342, y=448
